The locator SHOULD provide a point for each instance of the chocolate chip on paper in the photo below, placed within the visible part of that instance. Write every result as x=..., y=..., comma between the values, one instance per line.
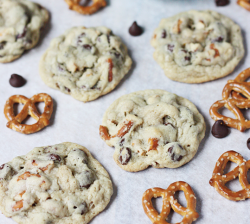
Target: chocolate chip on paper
x=135, y=30
x=222, y=2
x=219, y=129
x=17, y=80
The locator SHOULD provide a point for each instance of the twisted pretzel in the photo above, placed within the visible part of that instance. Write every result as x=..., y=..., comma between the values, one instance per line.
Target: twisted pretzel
x=232, y=100
x=167, y=195
x=244, y=3
x=219, y=180
x=29, y=108
x=86, y=10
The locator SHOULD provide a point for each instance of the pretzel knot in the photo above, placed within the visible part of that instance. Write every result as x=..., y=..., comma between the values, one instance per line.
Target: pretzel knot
x=235, y=96
x=86, y=10
x=167, y=195
x=219, y=180
x=29, y=108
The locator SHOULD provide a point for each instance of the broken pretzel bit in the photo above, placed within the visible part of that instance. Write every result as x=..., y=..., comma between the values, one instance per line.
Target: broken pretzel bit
x=217, y=53
x=153, y=143
x=244, y=3
x=17, y=206
x=25, y=175
x=104, y=133
x=110, y=77
x=124, y=130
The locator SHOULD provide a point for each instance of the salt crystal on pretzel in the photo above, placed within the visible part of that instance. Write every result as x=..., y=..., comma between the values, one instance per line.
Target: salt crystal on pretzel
x=219, y=179
x=86, y=10
x=29, y=108
x=169, y=202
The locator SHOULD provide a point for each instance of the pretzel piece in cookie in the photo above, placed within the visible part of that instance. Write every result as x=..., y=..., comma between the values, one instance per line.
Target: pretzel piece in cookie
x=29, y=108
x=86, y=10
x=169, y=202
x=235, y=96
x=219, y=179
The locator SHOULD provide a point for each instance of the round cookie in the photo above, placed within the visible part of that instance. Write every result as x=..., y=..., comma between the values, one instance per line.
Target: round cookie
x=20, y=26
x=85, y=62
x=197, y=46
x=152, y=128
x=62, y=184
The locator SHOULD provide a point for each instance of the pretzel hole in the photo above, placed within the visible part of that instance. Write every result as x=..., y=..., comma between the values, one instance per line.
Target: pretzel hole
x=17, y=107
x=224, y=111
x=246, y=113
x=40, y=107
x=85, y=3
x=229, y=167
x=157, y=203
x=234, y=185
x=174, y=217
x=180, y=197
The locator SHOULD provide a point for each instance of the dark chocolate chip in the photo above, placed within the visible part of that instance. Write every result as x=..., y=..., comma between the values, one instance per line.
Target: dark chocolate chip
x=172, y=156
x=179, y=158
x=187, y=58
x=2, y=45
x=218, y=39
x=248, y=143
x=2, y=166
x=121, y=142
x=164, y=34
x=135, y=30
x=74, y=207
x=170, y=47
x=170, y=149
x=21, y=35
x=67, y=89
x=222, y=2
x=55, y=157
x=87, y=46
x=17, y=80
x=219, y=129
x=124, y=159
x=166, y=142
x=108, y=37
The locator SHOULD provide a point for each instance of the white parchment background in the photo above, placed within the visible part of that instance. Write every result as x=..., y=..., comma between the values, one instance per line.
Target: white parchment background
x=78, y=122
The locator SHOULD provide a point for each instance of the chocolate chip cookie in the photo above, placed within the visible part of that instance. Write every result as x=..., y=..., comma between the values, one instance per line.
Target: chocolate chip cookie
x=85, y=63
x=62, y=183
x=20, y=27
x=152, y=128
x=197, y=46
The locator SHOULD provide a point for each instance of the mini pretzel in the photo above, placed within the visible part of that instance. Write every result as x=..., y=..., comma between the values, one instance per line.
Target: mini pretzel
x=29, y=108
x=167, y=195
x=233, y=101
x=244, y=3
x=219, y=180
x=86, y=10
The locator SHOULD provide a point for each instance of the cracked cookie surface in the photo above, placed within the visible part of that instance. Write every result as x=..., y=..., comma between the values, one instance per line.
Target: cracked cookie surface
x=197, y=46
x=20, y=26
x=62, y=184
x=152, y=128
x=85, y=62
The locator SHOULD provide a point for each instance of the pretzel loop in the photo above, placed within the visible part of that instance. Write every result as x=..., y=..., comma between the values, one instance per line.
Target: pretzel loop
x=189, y=214
x=86, y=10
x=219, y=179
x=29, y=108
x=235, y=96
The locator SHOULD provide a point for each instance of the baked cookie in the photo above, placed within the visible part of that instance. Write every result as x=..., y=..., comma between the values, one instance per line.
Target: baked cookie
x=54, y=184
x=152, y=128
x=197, y=46
x=85, y=62
x=20, y=26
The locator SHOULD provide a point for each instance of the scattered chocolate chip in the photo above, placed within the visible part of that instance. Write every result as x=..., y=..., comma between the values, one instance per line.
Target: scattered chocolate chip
x=74, y=207
x=86, y=186
x=135, y=30
x=55, y=157
x=166, y=142
x=248, y=144
x=179, y=158
x=164, y=34
x=17, y=80
x=87, y=46
x=2, y=166
x=21, y=35
x=171, y=47
x=172, y=156
x=218, y=39
x=187, y=58
x=67, y=89
x=2, y=45
x=221, y=2
x=121, y=142
x=125, y=156
x=219, y=129
x=170, y=149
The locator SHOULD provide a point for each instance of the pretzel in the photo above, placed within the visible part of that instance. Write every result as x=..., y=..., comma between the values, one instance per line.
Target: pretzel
x=86, y=10
x=219, y=179
x=244, y=3
x=232, y=100
x=167, y=195
x=29, y=108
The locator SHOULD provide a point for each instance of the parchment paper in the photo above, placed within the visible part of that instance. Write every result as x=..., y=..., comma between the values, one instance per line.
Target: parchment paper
x=78, y=122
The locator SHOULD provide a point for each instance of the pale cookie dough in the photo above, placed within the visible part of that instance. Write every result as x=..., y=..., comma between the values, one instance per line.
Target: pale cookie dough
x=85, y=62
x=20, y=26
x=152, y=128
x=59, y=184
x=197, y=46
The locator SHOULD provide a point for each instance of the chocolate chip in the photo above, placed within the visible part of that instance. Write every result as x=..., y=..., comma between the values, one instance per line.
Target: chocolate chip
x=164, y=34
x=55, y=157
x=108, y=38
x=218, y=39
x=179, y=158
x=221, y=2
x=125, y=156
x=219, y=129
x=87, y=46
x=21, y=35
x=170, y=47
x=2, y=45
x=248, y=143
x=187, y=58
x=170, y=149
x=2, y=166
x=74, y=207
x=67, y=89
x=135, y=30
x=121, y=142
x=17, y=80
